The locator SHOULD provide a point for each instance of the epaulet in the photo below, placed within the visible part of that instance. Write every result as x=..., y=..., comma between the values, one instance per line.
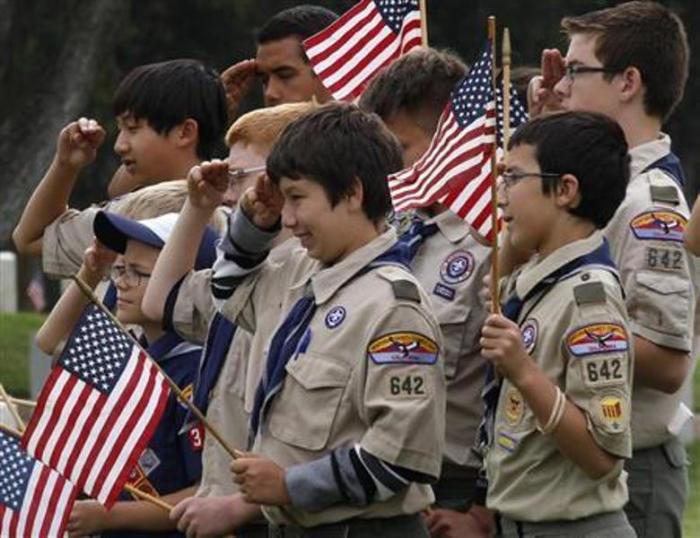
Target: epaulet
x=402, y=287
x=665, y=194
x=589, y=292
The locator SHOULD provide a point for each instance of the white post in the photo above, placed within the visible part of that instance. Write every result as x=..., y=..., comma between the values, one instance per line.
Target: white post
x=8, y=282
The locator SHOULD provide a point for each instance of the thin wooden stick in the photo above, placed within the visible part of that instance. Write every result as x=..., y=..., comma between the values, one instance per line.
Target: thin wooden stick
x=234, y=453
x=11, y=407
x=22, y=402
x=148, y=497
x=422, y=5
x=11, y=431
x=495, y=289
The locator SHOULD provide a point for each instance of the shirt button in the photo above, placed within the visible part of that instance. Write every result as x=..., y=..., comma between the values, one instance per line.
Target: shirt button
x=585, y=277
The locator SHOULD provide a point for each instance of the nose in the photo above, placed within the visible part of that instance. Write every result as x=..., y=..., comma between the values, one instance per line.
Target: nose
x=273, y=92
x=121, y=145
x=231, y=196
x=289, y=219
x=563, y=87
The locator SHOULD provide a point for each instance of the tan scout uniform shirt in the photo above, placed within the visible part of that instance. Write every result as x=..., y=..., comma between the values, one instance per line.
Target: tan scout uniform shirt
x=646, y=235
x=336, y=395
x=450, y=266
x=564, y=332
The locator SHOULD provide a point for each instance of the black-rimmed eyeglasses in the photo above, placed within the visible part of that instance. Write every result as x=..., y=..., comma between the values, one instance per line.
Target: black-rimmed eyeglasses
x=571, y=71
x=508, y=179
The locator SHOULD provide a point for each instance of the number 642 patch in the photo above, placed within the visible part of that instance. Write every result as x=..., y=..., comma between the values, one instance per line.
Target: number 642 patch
x=603, y=371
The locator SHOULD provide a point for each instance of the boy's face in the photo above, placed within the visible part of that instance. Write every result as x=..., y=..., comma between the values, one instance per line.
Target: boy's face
x=137, y=262
x=145, y=154
x=242, y=156
x=285, y=76
x=414, y=140
x=528, y=213
x=589, y=91
x=328, y=233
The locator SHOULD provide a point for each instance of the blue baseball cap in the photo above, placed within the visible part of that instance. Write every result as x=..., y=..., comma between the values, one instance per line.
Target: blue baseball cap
x=114, y=231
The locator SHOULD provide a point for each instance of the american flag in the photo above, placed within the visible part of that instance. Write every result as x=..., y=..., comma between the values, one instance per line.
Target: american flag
x=98, y=409
x=372, y=34
x=456, y=168
x=34, y=500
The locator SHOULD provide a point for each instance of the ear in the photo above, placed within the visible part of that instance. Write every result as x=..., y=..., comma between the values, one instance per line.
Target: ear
x=631, y=85
x=187, y=133
x=356, y=196
x=568, y=191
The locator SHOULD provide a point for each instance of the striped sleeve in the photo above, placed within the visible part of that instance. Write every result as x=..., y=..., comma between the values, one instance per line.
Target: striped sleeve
x=348, y=475
x=241, y=251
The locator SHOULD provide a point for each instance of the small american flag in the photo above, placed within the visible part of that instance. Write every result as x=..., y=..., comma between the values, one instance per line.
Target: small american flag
x=34, y=500
x=456, y=168
x=98, y=409
x=355, y=47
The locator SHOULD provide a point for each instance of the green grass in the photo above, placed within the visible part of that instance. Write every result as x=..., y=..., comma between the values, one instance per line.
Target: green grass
x=15, y=335
x=691, y=522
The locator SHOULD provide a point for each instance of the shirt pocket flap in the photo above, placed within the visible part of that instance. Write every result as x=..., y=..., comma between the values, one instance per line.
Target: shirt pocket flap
x=663, y=284
x=313, y=372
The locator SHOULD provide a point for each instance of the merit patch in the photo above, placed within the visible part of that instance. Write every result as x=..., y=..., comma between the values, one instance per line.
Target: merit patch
x=446, y=292
x=529, y=332
x=661, y=225
x=507, y=442
x=403, y=348
x=597, y=338
x=457, y=267
x=335, y=317
x=195, y=435
x=514, y=407
x=148, y=461
x=611, y=411
x=187, y=394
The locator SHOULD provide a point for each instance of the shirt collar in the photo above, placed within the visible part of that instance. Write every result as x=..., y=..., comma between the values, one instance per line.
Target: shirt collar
x=451, y=226
x=161, y=348
x=645, y=154
x=536, y=270
x=326, y=282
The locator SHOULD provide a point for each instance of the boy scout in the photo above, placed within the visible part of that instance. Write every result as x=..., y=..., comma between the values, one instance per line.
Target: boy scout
x=182, y=298
x=631, y=63
x=563, y=344
x=349, y=415
x=171, y=115
x=449, y=263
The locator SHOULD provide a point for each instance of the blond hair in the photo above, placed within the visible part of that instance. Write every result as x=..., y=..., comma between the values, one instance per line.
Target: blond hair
x=159, y=199
x=263, y=126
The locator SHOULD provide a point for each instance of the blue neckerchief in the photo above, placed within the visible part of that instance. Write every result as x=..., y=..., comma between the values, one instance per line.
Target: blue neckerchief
x=512, y=310
x=159, y=349
x=294, y=335
x=110, y=297
x=219, y=339
x=670, y=164
x=413, y=238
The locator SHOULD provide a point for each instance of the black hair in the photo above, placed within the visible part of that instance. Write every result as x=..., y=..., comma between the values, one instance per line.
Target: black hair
x=300, y=21
x=336, y=145
x=588, y=145
x=167, y=93
x=418, y=84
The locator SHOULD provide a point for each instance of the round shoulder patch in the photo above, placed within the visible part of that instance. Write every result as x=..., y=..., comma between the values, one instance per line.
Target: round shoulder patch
x=529, y=332
x=335, y=317
x=457, y=267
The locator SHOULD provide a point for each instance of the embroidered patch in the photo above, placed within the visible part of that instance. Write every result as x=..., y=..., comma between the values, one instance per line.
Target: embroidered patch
x=661, y=225
x=408, y=386
x=529, y=332
x=514, y=407
x=507, y=442
x=196, y=437
x=335, y=317
x=664, y=258
x=187, y=393
x=603, y=371
x=457, y=267
x=148, y=461
x=138, y=479
x=446, y=292
x=611, y=410
x=403, y=347
x=597, y=338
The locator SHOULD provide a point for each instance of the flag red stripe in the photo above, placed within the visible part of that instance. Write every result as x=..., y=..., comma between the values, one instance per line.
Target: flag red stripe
x=40, y=410
x=91, y=422
x=64, y=435
x=335, y=25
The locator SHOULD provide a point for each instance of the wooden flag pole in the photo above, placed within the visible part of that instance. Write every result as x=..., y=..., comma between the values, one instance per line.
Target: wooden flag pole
x=128, y=487
x=22, y=402
x=495, y=271
x=234, y=453
x=423, y=7
x=505, y=52
x=11, y=407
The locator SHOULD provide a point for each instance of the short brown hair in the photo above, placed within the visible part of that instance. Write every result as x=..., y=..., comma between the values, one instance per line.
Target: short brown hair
x=418, y=84
x=263, y=126
x=645, y=35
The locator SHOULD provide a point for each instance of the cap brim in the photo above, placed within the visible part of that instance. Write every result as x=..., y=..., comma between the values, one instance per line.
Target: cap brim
x=114, y=231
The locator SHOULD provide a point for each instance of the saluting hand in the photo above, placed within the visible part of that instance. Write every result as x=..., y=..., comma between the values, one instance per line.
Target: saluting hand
x=261, y=480
x=78, y=143
x=502, y=344
x=541, y=95
x=98, y=259
x=237, y=81
x=206, y=184
x=263, y=203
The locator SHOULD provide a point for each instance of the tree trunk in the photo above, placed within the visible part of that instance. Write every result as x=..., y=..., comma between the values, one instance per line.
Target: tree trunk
x=28, y=133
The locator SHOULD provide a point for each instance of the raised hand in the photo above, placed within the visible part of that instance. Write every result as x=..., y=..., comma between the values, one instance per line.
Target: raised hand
x=263, y=203
x=237, y=81
x=98, y=259
x=78, y=143
x=207, y=183
x=541, y=94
